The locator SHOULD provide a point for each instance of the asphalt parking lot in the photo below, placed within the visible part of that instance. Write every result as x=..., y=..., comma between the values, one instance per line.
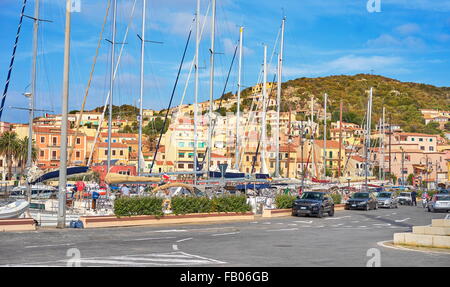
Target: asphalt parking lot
x=347, y=239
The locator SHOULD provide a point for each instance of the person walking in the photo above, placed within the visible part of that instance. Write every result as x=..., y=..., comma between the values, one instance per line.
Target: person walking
x=413, y=198
x=125, y=190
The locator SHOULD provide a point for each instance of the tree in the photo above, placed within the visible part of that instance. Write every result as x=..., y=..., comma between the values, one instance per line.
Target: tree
x=22, y=152
x=9, y=144
x=410, y=179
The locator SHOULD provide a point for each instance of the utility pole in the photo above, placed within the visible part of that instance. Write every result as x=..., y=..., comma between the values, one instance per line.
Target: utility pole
x=61, y=220
x=313, y=167
x=211, y=84
x=325, y=137
x=302, y=143
x=426, y=158
x=197, y=44
x=279, y=78
x=238, y=112
x=111, y=84
x=33, y=95
x=403, y=167
x=141, y=88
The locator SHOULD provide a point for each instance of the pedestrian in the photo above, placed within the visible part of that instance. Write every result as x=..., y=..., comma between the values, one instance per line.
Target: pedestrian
x=413, y=197
x=125, y=190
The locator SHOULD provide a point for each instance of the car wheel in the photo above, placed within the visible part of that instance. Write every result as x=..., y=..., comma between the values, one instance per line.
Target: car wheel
x=331, y=212
x=320, y=213
x=294, y=214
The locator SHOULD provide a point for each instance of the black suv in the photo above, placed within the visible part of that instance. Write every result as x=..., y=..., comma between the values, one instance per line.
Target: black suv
x=313, y=203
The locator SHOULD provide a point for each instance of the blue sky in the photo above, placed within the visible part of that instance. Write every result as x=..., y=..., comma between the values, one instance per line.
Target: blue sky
x=408, y=40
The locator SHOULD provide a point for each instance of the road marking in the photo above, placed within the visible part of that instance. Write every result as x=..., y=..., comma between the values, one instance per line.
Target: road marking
x=355, y=221
x=170, y=230
x=254, y=222
x=292, y=224
x=51, y=245
x=362, y=226
x=329, y=218
x=382, y=224
x=402, y=220
x=299, y=221
x=267, y=222
x=284, y=229
x=280, y=223
x=336, y=225
x=175, y=247
x=228, y=233
x=177, y=258
x=185, y=239
x=149, y=238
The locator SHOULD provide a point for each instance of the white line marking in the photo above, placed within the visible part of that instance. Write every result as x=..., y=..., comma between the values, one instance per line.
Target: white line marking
x=382, y=224
x=292, y=224
x=254, y=222
x=175, y=247
x=338, y=224
x=402, y=220
x=171, y=230
x=267, y=222
x=355, y=221
x=309, y=222
x=150, y=238
x=285, y=229
x=362, y=226
x=280, y=223
x=330, y=218
x=185, y=239
x=52, y=245
x=229, y=233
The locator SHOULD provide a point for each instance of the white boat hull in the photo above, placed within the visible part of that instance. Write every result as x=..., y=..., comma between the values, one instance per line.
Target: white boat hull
x=14, y=210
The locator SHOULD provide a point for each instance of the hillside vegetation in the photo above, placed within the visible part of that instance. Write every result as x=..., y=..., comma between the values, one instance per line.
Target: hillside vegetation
x=402, y=100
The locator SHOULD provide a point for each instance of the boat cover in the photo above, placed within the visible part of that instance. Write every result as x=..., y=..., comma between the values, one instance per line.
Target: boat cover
x=55, y=173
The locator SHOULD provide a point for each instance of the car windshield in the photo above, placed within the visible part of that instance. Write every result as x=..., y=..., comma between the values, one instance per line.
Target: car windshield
x=360, y=195
x=384, y=194
x=445, y=197
x=312, y=195
x=407, y=194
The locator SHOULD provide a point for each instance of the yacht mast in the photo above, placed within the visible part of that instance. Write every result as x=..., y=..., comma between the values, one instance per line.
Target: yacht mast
x=277, y=130
x=141, y=88
x=111, y=84
x=325, y=137
x=368, y=123
x=211, y=85
x=33, y=94
x=263, y=120
x=238, y=112
x=61, y=219
x=197, y=43
x=313, y=167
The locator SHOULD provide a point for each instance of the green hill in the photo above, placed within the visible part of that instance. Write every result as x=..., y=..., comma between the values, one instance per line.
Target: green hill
x=402, y=100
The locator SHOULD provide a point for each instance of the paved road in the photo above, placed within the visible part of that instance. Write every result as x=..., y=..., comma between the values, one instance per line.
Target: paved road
x=342, y=240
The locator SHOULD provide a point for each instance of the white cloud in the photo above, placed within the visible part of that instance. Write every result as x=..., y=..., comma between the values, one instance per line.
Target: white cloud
x=408, y=29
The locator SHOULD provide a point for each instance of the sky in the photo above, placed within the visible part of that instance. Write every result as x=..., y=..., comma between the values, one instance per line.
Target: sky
x=408, y=40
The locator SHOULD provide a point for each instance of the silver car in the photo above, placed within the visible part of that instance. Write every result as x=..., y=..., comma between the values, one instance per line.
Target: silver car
x=387, y=199
x=440, y=202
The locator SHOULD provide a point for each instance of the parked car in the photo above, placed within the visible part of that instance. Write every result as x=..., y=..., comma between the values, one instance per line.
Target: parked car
x=387, y=199
x=313, y=203
x=440, y=202
x=362, y=200
x=405, y=198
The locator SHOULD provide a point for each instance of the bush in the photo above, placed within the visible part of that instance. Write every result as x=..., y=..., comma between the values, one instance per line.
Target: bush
x=184, y=205
x=337, y=198
x=230, y=203
x=129, y=206
x=284, y=201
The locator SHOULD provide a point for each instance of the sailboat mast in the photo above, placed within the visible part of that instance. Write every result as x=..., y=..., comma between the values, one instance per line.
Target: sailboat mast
x=382, y=141
x=33, y=93
x=238, y=112
x=280, y=73
x=197, y=44
x=111, y=84
x=325, y=137
x=368, y=123
x=61, y=219
x=263, y=120
x=312, y=138
x=211, y=84
x=141, y=87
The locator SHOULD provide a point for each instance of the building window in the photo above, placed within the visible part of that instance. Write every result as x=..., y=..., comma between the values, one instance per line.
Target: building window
x=78, y=154
x=181, y=154
x=421, y=139
x=431, y=140
x=41, y=153
x=106, y=152
x=190, y=165
x=42, y=139
x=412, y=139
x=121, y=152
x=114, y=152
x=78, y=141
x=54, y=154
x=422, y=148
x=431, y=148
x=181, y=165
x=54, y=140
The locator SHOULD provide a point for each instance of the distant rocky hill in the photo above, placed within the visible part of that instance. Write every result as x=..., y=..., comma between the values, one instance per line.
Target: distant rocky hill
x=402, y=100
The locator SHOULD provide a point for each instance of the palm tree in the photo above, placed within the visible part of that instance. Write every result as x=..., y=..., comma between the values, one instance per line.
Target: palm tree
x=22, y=153
x=9, y=143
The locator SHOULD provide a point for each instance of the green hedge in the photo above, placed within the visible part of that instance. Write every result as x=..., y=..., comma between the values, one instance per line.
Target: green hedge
x=184, y=205
x=337, y=198
x=230, y=203
x=284, y=201
x=128, y=206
